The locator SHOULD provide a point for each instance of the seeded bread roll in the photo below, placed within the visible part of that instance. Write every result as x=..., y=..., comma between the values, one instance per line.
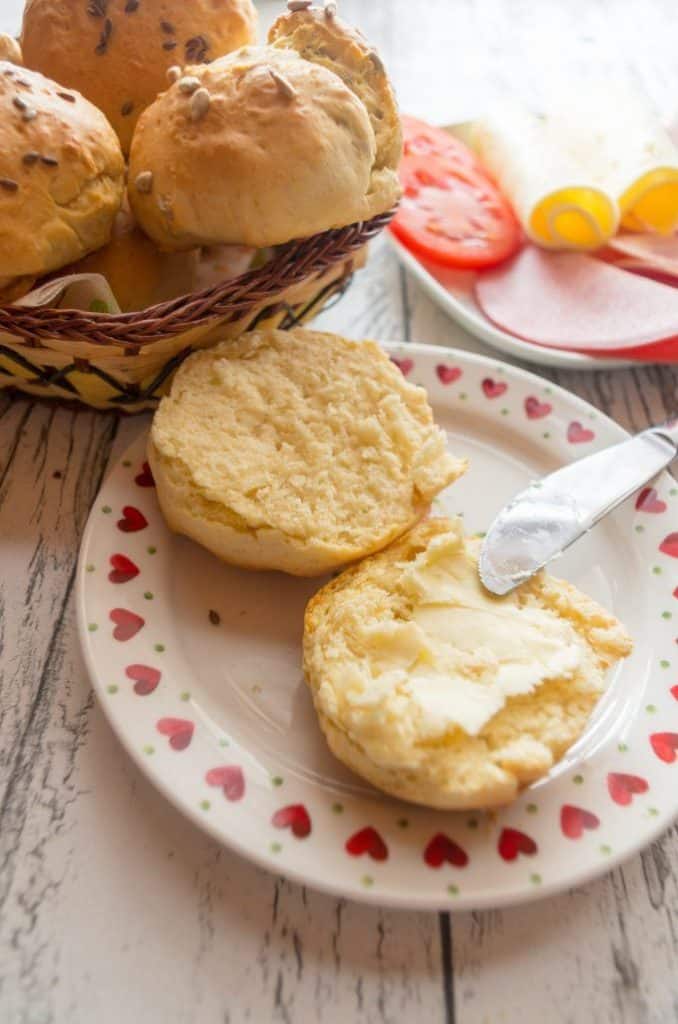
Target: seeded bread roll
x=117, y=52
x=295, y=450
x=319, y=36
x=257, y=148
x=61, y=175
x=440, y=693
x=10, y=50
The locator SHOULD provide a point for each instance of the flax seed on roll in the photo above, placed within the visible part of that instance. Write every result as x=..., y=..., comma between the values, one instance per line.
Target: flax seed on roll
x=61, y=176
x=118, y=52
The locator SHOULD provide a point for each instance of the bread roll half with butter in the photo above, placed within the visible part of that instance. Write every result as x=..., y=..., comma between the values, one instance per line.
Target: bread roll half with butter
x=270, y=143
x=295, y=450
x=440, y=693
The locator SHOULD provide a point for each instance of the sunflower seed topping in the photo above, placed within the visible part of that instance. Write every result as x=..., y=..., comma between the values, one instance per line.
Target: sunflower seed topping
x=285, y=88
x=66, y=96
x=189, y=84
x=9, y=184
x=200, y=104
x=167, y=28
x=19, y=102
x=196, y=50
x=173, y=74
x=127, y=108
x=49, y=161
x=144, y=182
x=102, y=45
x=169, y=45
x=298, y=5
x=131, y=6
x=30, y=158
x=97, y=8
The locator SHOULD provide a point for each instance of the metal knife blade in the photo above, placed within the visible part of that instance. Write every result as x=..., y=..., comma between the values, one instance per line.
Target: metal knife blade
x=544, y=520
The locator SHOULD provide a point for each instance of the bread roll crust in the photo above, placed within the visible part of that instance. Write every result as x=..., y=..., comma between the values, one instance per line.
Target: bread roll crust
x=61, y=175
x=122, y=69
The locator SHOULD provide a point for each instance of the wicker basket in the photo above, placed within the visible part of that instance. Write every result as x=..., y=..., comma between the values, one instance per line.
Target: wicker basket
x=126, y=361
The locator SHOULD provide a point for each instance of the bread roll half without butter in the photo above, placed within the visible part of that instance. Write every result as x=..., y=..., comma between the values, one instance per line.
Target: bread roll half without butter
x=296, y=450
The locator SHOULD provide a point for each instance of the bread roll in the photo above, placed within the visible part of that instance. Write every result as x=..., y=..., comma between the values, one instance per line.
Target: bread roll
x=61, y=175
x=295, y=450
x=257, y=148
x=10, y=50
x=440, y=693
x=117, y=52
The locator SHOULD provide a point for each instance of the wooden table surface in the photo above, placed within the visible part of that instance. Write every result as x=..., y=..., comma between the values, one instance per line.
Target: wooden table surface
x=112, y=907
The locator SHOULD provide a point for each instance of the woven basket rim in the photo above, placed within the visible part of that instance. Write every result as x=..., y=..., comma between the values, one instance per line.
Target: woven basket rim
x=292, y=265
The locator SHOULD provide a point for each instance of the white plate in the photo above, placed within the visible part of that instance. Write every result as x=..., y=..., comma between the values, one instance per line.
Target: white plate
x=453, y=291
x=208, y=698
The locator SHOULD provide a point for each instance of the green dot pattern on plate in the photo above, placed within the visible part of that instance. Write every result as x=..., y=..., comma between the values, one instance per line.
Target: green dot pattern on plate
x=548, y=391
x=367, y=881
x=277, y=780
x=337, y=808
x=151, y=550
x=148, y=595
x=578, y=779
x=640, y=529
x=535, y=878
x=546, y=435
x=667, y=615
x=650, y=708
x=148, y=749
x=224, y=742
x=276, y=847
x=205, y=805
x=106, y=509
x=673, y=492
x=90, y=568
x=531, y=808
x=126, y=463
x=653, y=812
x=453, y=890
x=92, y=627
x=112, y=688
x=185, y=695
x=504, y=412
x=622, y=748
x=605, y=849
x=656, y=569
x=159, y=648
x=463, y=396
x=665, y=664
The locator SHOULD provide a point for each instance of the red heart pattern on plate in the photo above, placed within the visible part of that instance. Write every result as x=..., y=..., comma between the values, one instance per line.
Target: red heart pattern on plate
x=537, y=410
x=669, y=546
x=179, y=730
x=622, y=787
x=404, y=365
x=145, y=477
x=441, y=848
x=674, y=692
x=493, y=388
x=578, y=434
x=368, y=841
x=448, y=374
x=145, y=678
x=649, y=501
x=132, y=520
x=294, y=817
x=573, y=821
x=665, y=745
x=513, y=842
x=127, y=624
x=230, y=778
x=123, y=569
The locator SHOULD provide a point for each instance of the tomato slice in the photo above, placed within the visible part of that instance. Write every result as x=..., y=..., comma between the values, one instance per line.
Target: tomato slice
x=451, y=212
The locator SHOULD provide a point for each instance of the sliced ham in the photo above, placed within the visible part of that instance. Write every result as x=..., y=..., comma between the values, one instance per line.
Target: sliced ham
x=574, y=301
x=655, y=255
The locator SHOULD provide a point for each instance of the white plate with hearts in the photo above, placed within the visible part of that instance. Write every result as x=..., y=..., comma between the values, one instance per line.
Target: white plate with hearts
x=197, y=666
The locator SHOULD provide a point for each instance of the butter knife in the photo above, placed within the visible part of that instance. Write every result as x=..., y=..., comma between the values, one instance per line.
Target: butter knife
x=544, y=520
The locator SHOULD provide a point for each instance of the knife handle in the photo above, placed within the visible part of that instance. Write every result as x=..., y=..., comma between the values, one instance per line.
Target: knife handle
x=668, y=430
